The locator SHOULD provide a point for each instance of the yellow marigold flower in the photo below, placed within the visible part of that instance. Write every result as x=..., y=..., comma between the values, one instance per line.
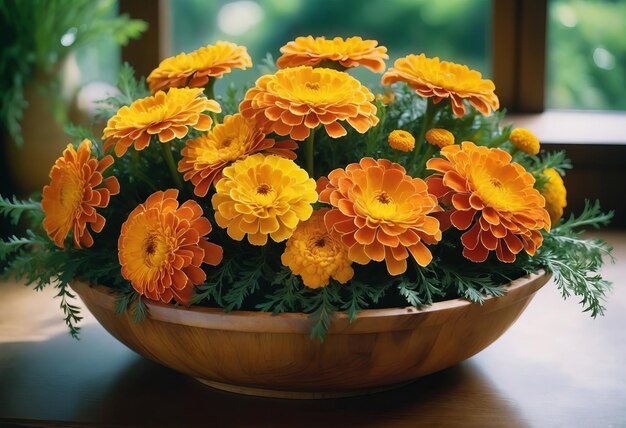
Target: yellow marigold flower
x=263, y=195
x=492, y=197
x=70, y=200
x=439, y=137
x=205, y=157
x=195, y=68
x=432, y=78
x=554, y=193
x=295, y=100
x=348, y=53
x=525, y=141
x=315, y=254
x=401, y=140
x=387, y=97
x=162, y=247
x=166, y=114
x=381, y=213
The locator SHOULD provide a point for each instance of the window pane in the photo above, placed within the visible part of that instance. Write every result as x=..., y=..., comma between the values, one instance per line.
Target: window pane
x=455, y=30
x=586, y=54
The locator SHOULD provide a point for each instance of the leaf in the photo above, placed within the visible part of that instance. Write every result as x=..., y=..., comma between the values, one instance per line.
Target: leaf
x=15, y=208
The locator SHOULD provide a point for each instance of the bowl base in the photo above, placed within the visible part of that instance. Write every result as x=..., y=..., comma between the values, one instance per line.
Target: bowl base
x=296, y=395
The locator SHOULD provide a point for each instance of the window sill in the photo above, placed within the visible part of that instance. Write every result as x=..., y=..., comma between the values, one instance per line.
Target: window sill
x=574, y=127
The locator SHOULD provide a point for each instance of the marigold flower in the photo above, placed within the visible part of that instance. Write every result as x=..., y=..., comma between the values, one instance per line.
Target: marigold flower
x=166, y=114
x=432, y=78
x=195, y=68
x=162, y=247
x=554, y=193
x=439, y=137
x=295, y=100
x=348, y=53
x=401, y=140
x=263, y=195
x=524, y=140
x=495, y=197
x=69, y=202
x=205, y=157
x=380, y=212
x=387, y=97
x=316, y=254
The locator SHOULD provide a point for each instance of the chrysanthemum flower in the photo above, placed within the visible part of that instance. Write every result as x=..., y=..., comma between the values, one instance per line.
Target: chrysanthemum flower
x=492, y=197
x=348, y=53
x=401, y=140
x=166, y=114
x=162, y=247
x=195, y=68
x=524, y=140
x=554, y=193
x=205, y=157
x=295, y=100
x=436, y=79
x=263, y=195
x=69, y=202
x=316, y=254
x=439, y=137
x=380, y=213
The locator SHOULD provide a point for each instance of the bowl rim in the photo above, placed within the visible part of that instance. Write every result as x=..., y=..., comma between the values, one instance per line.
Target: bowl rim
x=368, y=320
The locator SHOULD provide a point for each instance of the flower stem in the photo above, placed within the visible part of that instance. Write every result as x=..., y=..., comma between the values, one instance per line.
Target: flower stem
x=166, y=150
x=429, y=115
x=209, y=91
x=309, y=152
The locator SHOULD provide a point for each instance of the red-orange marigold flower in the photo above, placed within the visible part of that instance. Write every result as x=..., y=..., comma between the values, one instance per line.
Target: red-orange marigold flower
x=69, y=202
x=166, y=114
x=380, y=213
x=492, y=197
x=195, y=68
x=205, y=157
x=162, y=247
x=295, y=100
x=436, y=79
x=348, y=53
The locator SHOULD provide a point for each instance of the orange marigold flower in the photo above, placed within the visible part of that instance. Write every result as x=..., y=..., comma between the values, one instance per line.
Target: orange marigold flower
x=401, y=140
x=162, y=247
x=387, y=97
x=195, y=68
x=495, y=197
x=524, y=140
x=348, y=53
x=263, y=195
x=166, y=114
x=205, y=157
x=69, y=202
x=380, y=212
x=554, y=193
x=316, y=254
x=436, y=79
x=295, y=100
x=439, y=137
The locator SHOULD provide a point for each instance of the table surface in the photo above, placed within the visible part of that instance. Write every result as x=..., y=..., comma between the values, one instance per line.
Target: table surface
x=555, y=367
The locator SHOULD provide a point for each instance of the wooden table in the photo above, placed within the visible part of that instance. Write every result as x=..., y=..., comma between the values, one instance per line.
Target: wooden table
x=555, y=367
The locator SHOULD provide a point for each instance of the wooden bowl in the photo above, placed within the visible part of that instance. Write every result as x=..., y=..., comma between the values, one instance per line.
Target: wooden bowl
x=257, y=353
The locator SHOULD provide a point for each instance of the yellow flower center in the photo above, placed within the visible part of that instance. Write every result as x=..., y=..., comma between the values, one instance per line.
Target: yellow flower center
x=156, y=249
x=496, y=193
x=71, y=193
x=382, y=207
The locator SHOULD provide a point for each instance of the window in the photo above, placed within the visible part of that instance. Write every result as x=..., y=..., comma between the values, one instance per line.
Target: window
x=586, y=55
x=455, y=30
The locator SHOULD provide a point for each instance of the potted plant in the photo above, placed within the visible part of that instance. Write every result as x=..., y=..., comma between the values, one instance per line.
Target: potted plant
x=306, y=237
x=40, y=75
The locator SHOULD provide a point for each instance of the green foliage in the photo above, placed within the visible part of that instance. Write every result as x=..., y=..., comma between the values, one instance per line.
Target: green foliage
x=130, y=89
x=38, y=34
x=575, y=261
x=14, y=209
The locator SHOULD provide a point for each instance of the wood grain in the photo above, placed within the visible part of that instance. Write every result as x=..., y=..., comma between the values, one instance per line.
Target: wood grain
x=260, y=354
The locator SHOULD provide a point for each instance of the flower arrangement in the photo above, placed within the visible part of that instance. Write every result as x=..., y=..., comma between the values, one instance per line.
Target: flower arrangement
x=307, y=192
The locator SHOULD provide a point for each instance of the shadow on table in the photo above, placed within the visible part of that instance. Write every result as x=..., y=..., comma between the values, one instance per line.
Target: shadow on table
x=97, y=380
